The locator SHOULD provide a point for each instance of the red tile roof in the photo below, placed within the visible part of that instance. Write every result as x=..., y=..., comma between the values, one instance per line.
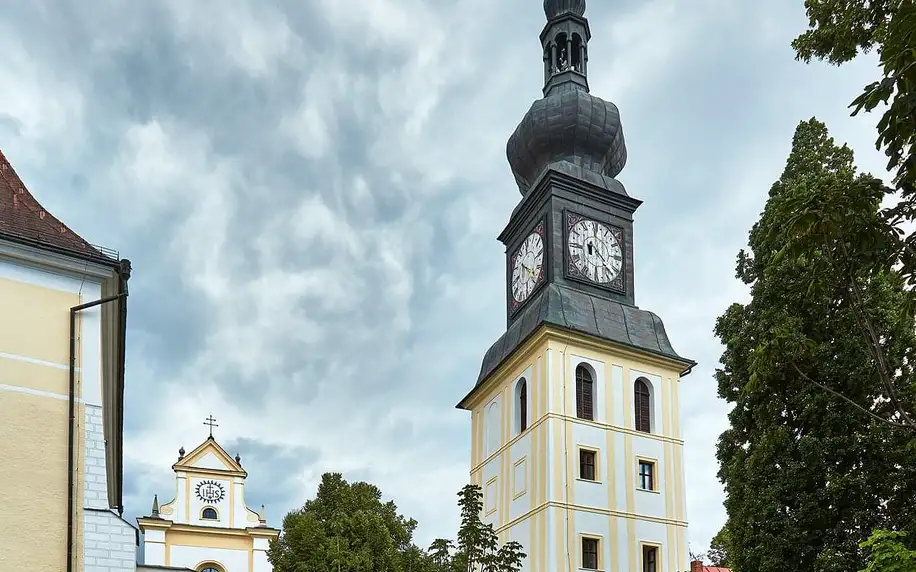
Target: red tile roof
x=22, y=217
x=697, y=566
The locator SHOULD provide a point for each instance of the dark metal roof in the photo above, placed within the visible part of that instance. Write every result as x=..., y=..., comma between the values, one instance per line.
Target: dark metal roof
x=571, y=309
x=570, y=125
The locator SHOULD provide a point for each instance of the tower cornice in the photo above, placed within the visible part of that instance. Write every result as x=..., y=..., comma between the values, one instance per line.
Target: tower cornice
x=565, y=176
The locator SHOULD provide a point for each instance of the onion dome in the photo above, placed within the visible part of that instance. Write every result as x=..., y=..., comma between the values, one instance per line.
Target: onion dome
x=572, y=126
x=554, y=8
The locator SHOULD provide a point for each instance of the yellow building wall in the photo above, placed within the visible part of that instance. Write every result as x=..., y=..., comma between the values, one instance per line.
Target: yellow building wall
x=552, y=417
x=34, y=351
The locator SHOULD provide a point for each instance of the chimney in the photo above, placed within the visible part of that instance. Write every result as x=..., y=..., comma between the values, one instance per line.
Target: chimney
x=696, y=566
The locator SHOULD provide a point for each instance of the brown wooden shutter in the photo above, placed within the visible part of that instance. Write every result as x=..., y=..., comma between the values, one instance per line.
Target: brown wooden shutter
x=584, y=394
x=643, y=406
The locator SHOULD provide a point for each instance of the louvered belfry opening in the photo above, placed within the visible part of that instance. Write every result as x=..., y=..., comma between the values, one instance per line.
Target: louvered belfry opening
x=523, y=405
x=643, y=406
x=585, y=391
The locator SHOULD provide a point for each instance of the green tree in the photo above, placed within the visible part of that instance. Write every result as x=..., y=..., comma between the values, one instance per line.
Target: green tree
x=816, y=456
x=347, y=528
x=838, y=31
x=719, y=548
x=478, y=545
x=887, y=553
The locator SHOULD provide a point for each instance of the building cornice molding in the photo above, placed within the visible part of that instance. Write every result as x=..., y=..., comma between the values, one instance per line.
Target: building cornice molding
x=53, y=261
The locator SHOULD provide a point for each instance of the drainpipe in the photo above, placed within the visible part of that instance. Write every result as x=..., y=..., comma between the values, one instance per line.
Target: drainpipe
x=72, y=395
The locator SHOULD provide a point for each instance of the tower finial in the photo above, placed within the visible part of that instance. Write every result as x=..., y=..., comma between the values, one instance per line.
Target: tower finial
x=554, y=8
x=155, y=513
x=565, y=44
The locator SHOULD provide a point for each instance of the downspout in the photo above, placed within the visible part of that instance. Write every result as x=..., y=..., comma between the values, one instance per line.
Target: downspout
x=72, y=399
x=124, y=274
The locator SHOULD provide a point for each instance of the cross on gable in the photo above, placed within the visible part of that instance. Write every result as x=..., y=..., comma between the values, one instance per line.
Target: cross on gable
x=212, y=423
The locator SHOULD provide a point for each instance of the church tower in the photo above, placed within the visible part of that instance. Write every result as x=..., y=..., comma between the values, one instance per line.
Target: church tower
x=207, y=527
x=575, y=428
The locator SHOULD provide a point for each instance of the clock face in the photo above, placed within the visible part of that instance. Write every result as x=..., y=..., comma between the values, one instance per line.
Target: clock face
x=528, y=266
x=210, y=491
x=595, y=251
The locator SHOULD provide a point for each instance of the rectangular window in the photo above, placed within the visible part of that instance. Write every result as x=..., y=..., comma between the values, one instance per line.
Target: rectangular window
x=649, y=559
x=590, y=553
x=647, y=475
x=586, y=464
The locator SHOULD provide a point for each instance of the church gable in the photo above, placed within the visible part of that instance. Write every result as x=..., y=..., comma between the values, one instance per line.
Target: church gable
x=209, y=456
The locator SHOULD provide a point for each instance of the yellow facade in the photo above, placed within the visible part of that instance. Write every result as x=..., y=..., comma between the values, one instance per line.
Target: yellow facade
x=34, y=356
x=34, y=341
x=551, y=454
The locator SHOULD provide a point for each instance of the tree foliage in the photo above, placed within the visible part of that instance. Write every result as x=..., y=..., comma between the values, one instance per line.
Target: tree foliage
x=838, y=31
x=478, y=545
x=887, y=553
x=347, y=528
x=817, y=456
x=719, y=548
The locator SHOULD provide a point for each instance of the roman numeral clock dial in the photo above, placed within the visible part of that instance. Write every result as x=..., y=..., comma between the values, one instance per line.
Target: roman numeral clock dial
x=527, y=268
x=595, y=252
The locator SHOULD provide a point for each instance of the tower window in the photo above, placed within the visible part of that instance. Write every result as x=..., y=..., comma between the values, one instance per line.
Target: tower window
x=647, y=475
x=562, y=49
x=649, y=559
x=585, y=391
x=643, y=401
x=521, y=405
x=209, y=514
x=590, y=553
x=577, y=52
x=587, y=465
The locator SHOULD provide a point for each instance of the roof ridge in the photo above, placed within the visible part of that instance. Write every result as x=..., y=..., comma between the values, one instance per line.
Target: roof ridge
x=39, y=224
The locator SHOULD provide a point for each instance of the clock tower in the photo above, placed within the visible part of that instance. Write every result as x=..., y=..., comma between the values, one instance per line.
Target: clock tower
x=207, y=527
x=575, y=426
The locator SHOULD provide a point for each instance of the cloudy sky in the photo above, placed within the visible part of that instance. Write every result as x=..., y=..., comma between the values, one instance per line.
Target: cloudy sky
x=310, y=193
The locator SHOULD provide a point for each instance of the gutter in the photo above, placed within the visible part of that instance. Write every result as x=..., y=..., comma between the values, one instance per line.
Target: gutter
x=123, y=274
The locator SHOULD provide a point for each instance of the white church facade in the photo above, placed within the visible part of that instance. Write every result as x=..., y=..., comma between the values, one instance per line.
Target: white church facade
x=207, y=527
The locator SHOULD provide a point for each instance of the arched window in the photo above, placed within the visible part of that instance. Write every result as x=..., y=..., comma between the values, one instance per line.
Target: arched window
x=492, y=432
x=209, y=513
x=577, y=53
x=521, y=403
x=642, y=400
x=561, y=49
x=585, y=392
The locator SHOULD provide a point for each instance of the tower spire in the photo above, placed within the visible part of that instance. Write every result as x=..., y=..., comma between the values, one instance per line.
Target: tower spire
x=565, y=44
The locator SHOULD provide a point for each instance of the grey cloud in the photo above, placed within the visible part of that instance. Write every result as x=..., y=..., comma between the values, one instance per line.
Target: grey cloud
x=311, y=196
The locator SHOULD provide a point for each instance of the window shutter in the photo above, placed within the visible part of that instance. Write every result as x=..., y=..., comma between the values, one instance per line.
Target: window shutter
x=584, y=394
x=643, y=406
